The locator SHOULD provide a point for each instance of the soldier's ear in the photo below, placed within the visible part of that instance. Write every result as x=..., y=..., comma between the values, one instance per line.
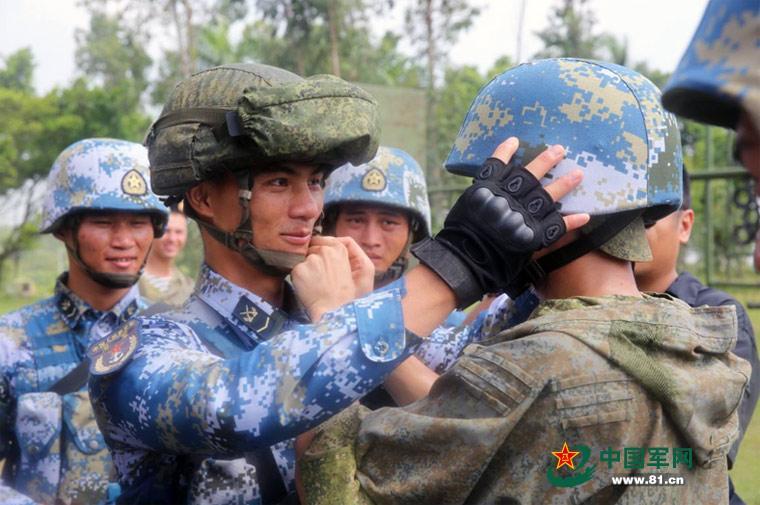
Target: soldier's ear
x=198, y=198
x=685, y=224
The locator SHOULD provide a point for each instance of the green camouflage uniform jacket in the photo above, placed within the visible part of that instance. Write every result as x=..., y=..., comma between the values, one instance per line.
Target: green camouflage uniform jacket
x=629, y=377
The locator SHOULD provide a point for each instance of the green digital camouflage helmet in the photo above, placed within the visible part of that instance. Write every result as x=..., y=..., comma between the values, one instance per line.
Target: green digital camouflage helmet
x=235, y=118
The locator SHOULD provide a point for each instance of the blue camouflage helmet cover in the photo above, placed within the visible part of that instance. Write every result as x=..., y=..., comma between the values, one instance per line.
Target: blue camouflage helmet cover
x=608, y=118
x=720, y=71
x=391, y=178
x=100, y=175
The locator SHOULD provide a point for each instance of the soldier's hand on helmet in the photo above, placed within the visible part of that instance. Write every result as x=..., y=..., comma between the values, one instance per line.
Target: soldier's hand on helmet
x=324, y=280
x=498, y=222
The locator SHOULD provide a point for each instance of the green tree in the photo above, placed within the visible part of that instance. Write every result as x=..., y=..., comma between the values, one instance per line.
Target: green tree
x=18, y=71
x=432, y=27
x=570, y=32
x=33, y=129
x=37, y=128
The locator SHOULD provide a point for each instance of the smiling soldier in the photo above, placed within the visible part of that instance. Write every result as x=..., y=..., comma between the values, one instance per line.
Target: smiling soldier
x=99, y=205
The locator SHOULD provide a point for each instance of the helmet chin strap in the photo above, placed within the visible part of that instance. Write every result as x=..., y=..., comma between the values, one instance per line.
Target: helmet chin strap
x=275, y=263
x=105, y=279
x=397, y=268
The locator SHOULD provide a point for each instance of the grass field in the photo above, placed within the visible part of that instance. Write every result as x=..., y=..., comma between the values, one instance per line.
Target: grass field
x=746, y=472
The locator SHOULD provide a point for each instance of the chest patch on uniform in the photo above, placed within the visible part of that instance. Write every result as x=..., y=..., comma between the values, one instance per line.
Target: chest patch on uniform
x=114, y=351
x=133, y=183
x=374, y=180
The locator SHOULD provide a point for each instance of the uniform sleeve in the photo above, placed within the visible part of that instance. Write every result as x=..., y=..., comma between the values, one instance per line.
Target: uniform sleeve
x=446, y=344
x=433, y=451
x=174, y=397
x=8, y=495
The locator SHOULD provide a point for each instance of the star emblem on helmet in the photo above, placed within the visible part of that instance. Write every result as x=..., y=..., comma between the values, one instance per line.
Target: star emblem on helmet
x=133, y=183
x=374, y=180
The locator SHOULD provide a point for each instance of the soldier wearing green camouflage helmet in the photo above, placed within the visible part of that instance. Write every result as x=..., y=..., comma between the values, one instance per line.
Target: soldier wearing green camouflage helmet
x=383, y=205
x=543, y=412
x=99, y=204
x=200, y=404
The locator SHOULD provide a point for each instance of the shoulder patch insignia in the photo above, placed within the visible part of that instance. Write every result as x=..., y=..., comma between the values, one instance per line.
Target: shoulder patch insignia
x=113, y=352
x=133, y=183
x=257, y=320
x=374, y=180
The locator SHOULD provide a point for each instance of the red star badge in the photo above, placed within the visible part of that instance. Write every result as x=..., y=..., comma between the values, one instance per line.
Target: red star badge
x=565, y=457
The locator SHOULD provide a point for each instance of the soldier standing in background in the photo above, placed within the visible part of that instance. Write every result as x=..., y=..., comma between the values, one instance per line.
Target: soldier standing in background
x=666, y=236
x=718, y=82
x=383, y=205
x=100, y=206
x=198, y=405
x=162, y=281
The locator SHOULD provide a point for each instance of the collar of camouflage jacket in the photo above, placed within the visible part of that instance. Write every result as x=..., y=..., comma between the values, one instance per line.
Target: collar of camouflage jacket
x=72, y=307
x=246, y=309
x=680, y=355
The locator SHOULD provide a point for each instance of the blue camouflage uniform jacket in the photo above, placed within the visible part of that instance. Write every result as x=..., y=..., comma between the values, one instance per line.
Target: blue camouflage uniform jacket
x=50, y=444
x=199, y=404
x=446, y=344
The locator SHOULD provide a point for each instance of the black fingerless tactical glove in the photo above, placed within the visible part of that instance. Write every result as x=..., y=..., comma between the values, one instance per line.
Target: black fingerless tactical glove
x=491, y=232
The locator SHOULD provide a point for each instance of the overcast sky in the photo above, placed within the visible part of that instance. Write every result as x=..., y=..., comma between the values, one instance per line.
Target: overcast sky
x=657, y=30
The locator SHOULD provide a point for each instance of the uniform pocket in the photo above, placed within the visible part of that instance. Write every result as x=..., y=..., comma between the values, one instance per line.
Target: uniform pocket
x=593, y=399
x=86, y=460
x=80, y=423
x=38, y=430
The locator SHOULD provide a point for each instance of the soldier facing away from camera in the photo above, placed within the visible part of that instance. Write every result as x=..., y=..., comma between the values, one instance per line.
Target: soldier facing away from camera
x=598, y=365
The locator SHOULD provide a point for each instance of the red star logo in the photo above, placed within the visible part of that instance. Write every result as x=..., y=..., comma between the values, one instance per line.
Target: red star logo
x=565, y=457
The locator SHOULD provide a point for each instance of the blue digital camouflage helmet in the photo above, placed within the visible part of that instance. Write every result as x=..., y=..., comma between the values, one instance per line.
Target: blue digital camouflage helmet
x=393, y=179
x=100, y=175
x=613, y=127
x=719, y=74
